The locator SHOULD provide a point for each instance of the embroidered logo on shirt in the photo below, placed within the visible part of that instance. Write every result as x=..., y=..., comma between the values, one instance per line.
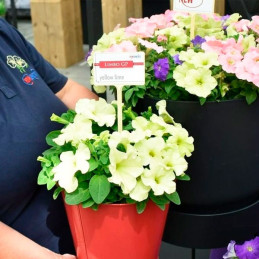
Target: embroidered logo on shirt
x=28, y=79
x=19, y=63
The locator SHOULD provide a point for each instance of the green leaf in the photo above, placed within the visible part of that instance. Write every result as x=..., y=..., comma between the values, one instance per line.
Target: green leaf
x=69, y=115
x=168, y=88
x=251, y=96
x=50, y=184
x=202, y=100
x=161, y=206
x=183, y=177
x=51, y=136
x=42, y=177
x=128, y=94
x=130, y=201
x=161, y=199
x=57, y=192
x=104, y=159
x=81, y=194
x=88, y=204
x=99, y=188
x=93, y=164
x=58, y=119
x=174, y=197
x=84, y=178
x=141, y=206
x=44, y=160
x=94, y=207
x=55, y=160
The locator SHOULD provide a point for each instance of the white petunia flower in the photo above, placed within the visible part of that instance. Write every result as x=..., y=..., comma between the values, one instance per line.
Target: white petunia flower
x=161, y=107
x=159, y=180
x=200, y=82
x=64, y=172
x=173, y=161
x=119, y=138
x=159, y=127
x=125, y=168
x=140, y=192
x=79, y=130
x=150, y=149
x=99, y=111
x=141, y=124
x=205, y=60
x=183, y=141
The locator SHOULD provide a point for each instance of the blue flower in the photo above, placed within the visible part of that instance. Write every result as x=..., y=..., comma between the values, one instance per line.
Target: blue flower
x=248, y=250
x=198, y=40
x=177, y=60
x=161, y=68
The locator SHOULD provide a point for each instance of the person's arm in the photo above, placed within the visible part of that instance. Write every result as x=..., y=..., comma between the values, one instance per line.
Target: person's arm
x=72, y=92
x=14, y=245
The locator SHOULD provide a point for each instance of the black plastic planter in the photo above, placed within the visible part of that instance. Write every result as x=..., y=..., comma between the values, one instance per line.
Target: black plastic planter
x=224, y=170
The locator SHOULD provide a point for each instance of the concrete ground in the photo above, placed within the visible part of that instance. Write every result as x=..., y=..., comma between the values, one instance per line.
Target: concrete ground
x=80, y=72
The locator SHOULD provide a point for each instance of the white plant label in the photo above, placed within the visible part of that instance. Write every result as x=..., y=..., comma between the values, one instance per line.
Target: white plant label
x=194, y=6
x=119, y=68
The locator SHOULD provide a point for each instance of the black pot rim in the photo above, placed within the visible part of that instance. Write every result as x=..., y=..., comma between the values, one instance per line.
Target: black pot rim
x=195, y=102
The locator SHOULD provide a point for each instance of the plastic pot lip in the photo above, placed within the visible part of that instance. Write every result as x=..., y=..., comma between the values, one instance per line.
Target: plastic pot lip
x=118, y=204
x=195, y=102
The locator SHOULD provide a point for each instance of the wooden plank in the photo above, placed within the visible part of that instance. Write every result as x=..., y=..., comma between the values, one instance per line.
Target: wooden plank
x=72, y=31
x=171, y=4
x=40, y=28
x=220, y=7
x=116, y=12
x=134, y=9
x=58, y=31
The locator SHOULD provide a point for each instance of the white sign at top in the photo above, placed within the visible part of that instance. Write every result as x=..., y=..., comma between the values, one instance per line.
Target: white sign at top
x=195, y=6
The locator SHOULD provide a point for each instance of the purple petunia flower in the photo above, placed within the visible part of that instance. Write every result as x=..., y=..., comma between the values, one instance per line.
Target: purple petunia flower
x=177, y=60
x=88, y=54
x=224, y=27
x=248, y=250
x=161, y=68
x=198, y=40
x=231, y=251
x=225, y=17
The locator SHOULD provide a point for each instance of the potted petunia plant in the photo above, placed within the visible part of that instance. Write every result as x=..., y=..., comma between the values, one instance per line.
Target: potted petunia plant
x=220, y=63
x=210, y=84
x=133, y=173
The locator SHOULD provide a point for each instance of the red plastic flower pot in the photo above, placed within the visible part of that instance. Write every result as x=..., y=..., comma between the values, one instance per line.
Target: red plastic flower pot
x=117, y=231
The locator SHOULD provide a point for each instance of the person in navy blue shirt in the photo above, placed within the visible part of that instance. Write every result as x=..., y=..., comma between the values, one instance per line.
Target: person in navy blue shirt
x=32, y=224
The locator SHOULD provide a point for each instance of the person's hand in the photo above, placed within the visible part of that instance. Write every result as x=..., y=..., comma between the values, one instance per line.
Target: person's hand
x=68, y=256
x=64, y=256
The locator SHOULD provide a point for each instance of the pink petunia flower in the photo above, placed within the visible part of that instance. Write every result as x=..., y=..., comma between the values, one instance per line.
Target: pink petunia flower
x=242, y=25
x=125, y=46
x=243, y=73
x=161, y=21
x=212, y=45
x=151, y=45
x=216, y=17
x=248, y=69
x=255, y=24
x=229, y=62
x=251, y=60
x=173, y=15
x=142, y=28
x=161, y=38
x=204, y=16
x=256, y=80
